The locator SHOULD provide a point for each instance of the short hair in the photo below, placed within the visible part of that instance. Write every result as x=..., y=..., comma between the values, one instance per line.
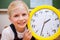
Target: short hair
x=13, y=4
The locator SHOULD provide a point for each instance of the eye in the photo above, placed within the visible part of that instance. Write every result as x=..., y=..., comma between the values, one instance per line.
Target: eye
x=24, y=14
x=16, y=15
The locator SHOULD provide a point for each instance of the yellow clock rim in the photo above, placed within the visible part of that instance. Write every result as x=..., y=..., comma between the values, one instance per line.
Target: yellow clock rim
x=39, y=8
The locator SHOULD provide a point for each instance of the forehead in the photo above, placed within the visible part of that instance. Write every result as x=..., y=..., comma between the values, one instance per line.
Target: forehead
x=19, y=9
x=20, y=6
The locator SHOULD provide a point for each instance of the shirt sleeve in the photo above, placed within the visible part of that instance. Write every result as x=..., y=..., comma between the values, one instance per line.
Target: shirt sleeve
x=5, y=35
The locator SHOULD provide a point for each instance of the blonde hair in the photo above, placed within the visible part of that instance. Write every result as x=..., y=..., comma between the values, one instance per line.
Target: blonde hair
x=13, y=4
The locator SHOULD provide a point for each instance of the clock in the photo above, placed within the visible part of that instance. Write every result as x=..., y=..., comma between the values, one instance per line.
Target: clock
x=44, y=22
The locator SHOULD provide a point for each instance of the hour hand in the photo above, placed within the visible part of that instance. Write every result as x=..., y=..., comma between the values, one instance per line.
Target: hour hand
x=47, y=21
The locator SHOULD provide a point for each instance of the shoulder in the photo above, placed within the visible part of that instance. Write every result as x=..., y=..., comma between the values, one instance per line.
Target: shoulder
x=8, y=32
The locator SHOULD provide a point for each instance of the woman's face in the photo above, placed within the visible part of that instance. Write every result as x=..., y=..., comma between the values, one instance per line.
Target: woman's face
x=19, y=17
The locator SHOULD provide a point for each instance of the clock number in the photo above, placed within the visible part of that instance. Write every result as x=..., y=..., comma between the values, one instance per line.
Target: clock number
x=37, y=31
x=48, y=34
x=35, y=15
x=46, y=11
x=54, y=31
x=33, y=20
x=57, y=25
x=56, y=19
x=33, y=26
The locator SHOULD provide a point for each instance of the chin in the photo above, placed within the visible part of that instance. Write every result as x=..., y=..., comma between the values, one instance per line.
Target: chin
x=22, y=26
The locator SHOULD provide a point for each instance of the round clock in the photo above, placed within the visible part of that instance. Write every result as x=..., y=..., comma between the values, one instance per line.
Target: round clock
x=44, y=22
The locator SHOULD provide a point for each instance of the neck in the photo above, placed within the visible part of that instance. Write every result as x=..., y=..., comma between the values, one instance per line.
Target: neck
x=20, y=29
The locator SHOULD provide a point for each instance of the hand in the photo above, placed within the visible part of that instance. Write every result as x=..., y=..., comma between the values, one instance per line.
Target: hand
x=27, y=35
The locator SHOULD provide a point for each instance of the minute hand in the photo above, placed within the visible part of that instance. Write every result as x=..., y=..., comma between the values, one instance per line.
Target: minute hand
x=44, y=24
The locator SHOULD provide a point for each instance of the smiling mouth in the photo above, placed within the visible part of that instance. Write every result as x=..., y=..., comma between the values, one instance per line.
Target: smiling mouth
x=22, y=23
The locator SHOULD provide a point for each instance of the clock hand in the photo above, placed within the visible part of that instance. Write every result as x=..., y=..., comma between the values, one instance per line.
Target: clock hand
x=43, y=25
x=47, y=21
x=42, y=29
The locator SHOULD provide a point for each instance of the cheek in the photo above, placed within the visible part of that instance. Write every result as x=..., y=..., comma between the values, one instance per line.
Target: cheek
x=14, y=20
x=27, y=18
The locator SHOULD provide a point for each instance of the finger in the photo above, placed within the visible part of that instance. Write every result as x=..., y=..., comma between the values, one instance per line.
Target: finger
x=30, y=36
x=26, y=33
x=29, y=33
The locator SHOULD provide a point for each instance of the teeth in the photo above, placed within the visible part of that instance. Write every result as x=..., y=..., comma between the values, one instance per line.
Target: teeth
x=21, y=23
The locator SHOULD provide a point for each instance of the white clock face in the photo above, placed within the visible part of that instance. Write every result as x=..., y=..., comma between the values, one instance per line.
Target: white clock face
x=45, y=22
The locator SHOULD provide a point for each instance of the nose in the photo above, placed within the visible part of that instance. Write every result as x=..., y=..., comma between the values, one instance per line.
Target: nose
x=21, y=18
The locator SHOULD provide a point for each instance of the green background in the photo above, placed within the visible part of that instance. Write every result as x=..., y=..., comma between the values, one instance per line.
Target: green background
x=56, y=3
x=4, y=3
